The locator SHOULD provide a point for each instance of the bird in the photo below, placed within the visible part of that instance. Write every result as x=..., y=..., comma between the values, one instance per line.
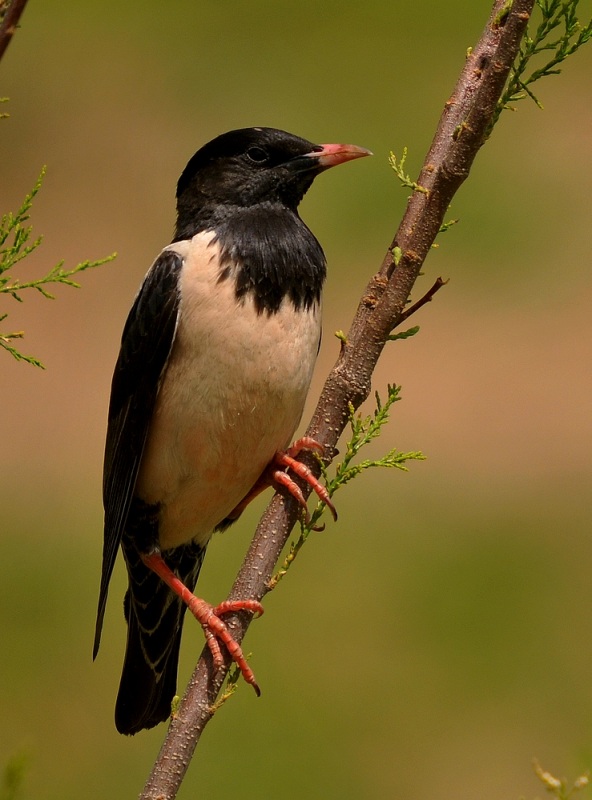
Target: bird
x=215, y=364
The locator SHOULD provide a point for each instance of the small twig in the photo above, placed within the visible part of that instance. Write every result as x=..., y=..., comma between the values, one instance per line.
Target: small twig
x=427, y=298
x=460, y=134
x=10, y=23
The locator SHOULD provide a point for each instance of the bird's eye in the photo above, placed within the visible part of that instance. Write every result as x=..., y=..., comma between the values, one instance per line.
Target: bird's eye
x=257, y=154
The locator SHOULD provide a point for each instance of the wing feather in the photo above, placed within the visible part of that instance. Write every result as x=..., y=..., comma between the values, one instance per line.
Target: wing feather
x=146, y=344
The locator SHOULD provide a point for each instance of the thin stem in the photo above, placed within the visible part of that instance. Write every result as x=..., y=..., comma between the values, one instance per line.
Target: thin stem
x=427, y=298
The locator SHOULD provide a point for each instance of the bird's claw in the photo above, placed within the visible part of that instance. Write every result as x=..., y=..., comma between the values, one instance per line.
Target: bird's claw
x=208, y=616
x=275, y=475
x=216, y=631
x=288, y=459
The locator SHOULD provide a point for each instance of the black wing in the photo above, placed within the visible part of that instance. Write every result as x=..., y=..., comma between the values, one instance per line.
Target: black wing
x=146, y=343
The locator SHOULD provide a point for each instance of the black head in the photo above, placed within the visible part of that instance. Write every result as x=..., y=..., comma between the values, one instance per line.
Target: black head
x=245, y=186
x=249, y=166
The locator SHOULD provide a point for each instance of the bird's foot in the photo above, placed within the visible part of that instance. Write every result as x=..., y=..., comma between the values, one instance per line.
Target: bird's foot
x=215, y=629
x=287, y=460
x=276, y=475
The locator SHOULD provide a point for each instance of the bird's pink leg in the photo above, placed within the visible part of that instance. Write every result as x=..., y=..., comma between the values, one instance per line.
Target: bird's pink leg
x=275, y=475
x=208, y=617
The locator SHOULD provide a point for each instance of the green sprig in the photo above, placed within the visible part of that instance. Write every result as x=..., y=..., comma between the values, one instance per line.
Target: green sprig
x=364, y=429
x=16, y=243
x=229, y=689
x=560, y=34
x=445, y=226
x=404, y=334
x=398, y=166
x=559, y=787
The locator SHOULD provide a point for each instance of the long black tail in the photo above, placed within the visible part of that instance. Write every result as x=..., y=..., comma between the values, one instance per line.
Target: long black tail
x=154, y=616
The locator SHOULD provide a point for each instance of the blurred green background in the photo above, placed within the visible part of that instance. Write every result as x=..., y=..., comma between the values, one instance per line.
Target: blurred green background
x=438, y=637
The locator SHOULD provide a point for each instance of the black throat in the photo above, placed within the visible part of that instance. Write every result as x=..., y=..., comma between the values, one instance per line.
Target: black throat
x=267, y=250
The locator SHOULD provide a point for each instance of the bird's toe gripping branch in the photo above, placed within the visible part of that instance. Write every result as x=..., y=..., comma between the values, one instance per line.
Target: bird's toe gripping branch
x=276, y=475
x=208, y=616
x=287, y=459
x=216, y=631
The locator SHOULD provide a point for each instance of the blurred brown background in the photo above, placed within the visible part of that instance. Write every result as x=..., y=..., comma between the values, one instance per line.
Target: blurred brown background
x=453, y=605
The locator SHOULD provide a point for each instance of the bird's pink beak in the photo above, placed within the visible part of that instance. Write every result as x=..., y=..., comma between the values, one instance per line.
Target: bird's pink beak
x=329, y=155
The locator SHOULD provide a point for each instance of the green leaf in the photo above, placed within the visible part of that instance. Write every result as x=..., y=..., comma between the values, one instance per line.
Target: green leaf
x=397, y=255
x=404, y=334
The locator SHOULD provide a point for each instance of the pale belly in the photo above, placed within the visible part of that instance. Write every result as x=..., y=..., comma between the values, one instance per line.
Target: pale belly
x=232, y=395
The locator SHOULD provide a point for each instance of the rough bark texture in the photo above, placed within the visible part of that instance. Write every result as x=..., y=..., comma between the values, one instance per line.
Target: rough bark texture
x=462, y=129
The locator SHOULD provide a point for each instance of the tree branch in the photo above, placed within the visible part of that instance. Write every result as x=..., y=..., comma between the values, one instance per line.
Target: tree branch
x=427, y=298
x=11, y=13
x=462, y=130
